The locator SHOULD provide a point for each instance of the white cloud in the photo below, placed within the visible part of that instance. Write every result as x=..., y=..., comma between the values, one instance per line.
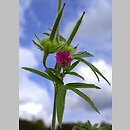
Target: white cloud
x=26, y=59
x=94, y=33
x=96, y=21
x=34, y=99
x=102, y=98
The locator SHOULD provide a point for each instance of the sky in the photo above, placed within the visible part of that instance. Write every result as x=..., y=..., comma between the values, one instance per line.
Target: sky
x=94, y=36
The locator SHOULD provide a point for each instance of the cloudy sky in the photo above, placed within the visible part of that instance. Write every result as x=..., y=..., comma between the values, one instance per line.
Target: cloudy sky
x=94, y=35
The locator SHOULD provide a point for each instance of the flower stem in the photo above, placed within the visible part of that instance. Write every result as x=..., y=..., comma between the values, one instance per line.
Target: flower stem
x=44, y=59
x=54, y=109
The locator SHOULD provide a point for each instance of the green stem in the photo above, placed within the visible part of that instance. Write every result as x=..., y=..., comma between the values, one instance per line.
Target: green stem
x=44, y=59
x=54, y=109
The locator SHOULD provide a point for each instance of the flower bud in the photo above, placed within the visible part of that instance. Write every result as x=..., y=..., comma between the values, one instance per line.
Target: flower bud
x=50, y=46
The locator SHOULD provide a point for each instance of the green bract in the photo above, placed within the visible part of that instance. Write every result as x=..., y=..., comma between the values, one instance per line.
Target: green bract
x=50, y=46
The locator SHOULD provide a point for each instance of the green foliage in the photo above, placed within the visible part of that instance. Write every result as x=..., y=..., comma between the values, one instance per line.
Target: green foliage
x=56, y=24
x=74, y=31
x=53, y=44
x=60, y=103
x=39, y=46
x=82, y=55
x=54, y=77
x=39, y=40
x=73, y=66
x=85, y=97
x=88, y=126
x=37, y=72
x=39, y=125
x=75, y=74
x=93, y=68
x=81, y=85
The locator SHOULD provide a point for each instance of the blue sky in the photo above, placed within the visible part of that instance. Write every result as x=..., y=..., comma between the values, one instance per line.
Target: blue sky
x=94, y=35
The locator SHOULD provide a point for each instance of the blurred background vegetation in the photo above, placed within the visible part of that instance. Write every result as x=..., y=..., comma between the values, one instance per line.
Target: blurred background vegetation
x=40, y=125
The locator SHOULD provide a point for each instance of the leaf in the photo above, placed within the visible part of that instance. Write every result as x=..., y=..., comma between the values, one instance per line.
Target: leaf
x=46, y=34
x=85, y=97
x=54, y=77
x=56, y=24
x=95, y=126
x=82, y=55
x=74, y=31
x=75, y=74
x=81, y=85
x=89, y=124
x=73, y=66
x=37, y=38
x=60, y=103
x=81, y=60
x=94, y=69
x=80, y=128
x=39, y=46
x=37, y=72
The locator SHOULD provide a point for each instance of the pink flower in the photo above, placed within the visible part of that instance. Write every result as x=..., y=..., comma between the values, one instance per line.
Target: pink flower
x=63, y=58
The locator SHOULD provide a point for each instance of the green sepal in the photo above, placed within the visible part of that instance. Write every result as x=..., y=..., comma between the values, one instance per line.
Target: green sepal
x=39, y=40
x=39, y=46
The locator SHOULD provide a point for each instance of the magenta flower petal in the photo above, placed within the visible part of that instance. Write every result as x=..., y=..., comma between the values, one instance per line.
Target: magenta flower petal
x=63, y=58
